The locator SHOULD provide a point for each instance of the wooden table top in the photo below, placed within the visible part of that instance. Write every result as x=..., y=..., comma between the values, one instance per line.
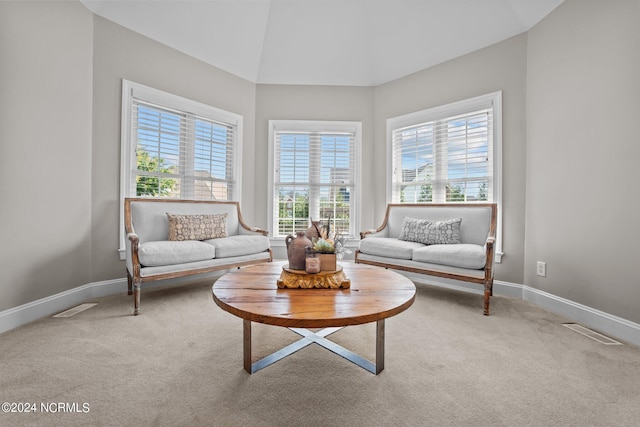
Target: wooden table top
x=252, y=294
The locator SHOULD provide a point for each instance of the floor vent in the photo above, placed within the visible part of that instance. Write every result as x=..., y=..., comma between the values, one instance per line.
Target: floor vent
x=602, y=339
x=75, y=310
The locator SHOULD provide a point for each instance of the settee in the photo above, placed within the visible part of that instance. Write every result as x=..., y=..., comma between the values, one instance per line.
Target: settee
x=454, y=241
x=169, y=238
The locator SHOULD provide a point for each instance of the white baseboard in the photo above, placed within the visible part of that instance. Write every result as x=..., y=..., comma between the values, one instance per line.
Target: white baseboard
x=34, y=310
x=616, y=327
x=608, y=324
x=613, y=326
x=23, y=314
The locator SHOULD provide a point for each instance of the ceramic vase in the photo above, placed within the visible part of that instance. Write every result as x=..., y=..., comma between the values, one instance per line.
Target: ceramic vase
x=297, y=250
x=313, y=232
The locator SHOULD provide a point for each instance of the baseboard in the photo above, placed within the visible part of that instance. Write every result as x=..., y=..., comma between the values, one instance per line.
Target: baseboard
x=616, y=327
x=613, y=326
x=23, y=314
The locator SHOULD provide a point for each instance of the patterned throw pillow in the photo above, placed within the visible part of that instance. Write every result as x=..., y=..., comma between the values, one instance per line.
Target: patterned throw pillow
x=430, y=232
x=197, y=227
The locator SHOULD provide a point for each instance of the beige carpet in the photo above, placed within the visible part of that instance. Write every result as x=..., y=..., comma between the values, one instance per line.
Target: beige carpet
x=180, y=364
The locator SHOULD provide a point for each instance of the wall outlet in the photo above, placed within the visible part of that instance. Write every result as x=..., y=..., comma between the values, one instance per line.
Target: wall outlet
x=541, y=269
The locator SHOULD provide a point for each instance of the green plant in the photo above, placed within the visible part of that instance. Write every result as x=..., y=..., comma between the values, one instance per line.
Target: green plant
x=154, y=186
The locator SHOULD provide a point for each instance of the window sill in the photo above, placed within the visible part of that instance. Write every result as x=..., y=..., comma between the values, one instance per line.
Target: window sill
x=279, y=242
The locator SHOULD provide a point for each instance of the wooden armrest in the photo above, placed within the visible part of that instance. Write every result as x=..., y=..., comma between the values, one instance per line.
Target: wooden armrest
x=135, y=260
x=490, y=254
x=363, y=234
x=259, y=230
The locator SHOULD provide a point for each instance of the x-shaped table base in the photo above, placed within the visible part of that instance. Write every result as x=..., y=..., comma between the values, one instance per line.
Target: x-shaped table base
x=310, y=337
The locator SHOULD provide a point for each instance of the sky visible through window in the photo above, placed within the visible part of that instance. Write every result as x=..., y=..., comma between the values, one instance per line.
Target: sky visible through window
x=455, y=150
x=295, y=156
x=178, y=145
x=159, y=134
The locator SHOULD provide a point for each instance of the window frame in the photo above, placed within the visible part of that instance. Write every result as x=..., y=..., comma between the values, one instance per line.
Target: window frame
x=131, y=90
x=315, y=126
x=491, y=100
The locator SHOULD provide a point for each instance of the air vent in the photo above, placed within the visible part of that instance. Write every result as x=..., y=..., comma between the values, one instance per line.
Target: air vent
x=75, y=310
x=602, y=339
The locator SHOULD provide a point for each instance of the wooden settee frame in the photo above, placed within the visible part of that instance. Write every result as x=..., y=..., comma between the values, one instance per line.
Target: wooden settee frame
x=486, y=281
x=135, y=280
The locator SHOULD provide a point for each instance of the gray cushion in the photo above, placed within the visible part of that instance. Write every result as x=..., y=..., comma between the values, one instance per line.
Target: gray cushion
x=152, y=254
x=239, y=245
x=388, y=247
x=458, y=255
x=430, y=232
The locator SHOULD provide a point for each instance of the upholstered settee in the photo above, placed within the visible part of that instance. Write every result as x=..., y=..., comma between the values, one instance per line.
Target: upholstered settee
x=167, y=238
x=454, y=241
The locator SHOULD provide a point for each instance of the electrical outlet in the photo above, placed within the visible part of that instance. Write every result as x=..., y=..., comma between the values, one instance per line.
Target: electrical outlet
x=541, y=269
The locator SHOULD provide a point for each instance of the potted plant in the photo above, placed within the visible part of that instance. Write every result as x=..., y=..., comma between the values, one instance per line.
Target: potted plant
x=329, y=246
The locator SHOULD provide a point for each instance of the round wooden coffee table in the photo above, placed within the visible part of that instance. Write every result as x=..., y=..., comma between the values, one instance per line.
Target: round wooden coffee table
x=252, y=294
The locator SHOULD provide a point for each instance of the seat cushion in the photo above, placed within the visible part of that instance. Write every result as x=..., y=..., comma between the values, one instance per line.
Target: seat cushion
x=239, y=245
x=154, y=254
x=389, y=247
x=462, y=255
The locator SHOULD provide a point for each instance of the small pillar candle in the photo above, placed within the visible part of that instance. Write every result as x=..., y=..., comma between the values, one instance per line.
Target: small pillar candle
x=312, y=265
x=312, y=262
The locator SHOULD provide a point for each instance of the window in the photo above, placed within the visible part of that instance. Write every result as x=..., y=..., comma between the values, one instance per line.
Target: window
x=448, y=154
x=177, y=148
x=173, y=147
x=314, y=168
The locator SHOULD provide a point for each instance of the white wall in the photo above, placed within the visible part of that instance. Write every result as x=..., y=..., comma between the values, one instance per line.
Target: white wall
x=582, y=153
x=45, y=149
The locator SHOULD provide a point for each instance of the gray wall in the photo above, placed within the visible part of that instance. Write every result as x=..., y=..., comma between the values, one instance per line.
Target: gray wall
x=120, y=53
x=498, y=67
x=582, y=153
x=569, y=90
x=45, y=149
x=289, y=102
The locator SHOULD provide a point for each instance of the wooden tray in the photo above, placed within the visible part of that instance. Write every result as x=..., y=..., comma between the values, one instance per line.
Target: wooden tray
x=300, y=279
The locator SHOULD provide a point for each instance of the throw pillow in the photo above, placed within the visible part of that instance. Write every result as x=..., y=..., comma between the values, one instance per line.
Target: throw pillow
x=197, y=227
x=414, y=230
x=431, y=232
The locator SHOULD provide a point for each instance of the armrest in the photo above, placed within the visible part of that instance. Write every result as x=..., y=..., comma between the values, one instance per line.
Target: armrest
x=382, y=231
x=245, y=229
x=489, y=247
x=365, y=233
x=375, y=232
x=132, y=260
x=258, y=230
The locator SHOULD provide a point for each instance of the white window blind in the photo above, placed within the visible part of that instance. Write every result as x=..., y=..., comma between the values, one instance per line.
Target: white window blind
x=314, y=174
x=444, y=160
x=174, y=147
x=181, y=155
x=448, y=154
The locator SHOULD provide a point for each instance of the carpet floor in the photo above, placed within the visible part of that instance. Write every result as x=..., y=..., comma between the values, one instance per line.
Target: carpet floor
x=179, y=363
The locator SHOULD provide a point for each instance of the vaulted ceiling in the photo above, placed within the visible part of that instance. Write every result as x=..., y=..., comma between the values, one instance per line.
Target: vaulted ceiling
x=325, y=42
